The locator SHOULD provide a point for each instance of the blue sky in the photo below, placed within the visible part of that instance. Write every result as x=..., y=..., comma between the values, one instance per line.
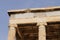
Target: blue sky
x=19, y=4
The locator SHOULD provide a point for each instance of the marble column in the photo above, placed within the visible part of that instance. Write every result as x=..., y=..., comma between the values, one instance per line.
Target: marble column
x=42, y=32
x=12, y=32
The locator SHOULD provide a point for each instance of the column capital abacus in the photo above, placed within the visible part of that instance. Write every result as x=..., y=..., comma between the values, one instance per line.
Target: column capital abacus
x=12, y=25
x=41, y=21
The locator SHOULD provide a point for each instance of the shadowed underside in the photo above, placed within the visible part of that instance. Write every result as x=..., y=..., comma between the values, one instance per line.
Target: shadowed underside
x=30, y=31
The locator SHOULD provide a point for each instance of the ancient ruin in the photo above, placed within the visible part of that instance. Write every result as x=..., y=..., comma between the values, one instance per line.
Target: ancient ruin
x=34, y=24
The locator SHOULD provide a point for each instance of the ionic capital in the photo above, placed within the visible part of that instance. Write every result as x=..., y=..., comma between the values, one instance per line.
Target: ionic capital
x=41, y=21
x=12, y=25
